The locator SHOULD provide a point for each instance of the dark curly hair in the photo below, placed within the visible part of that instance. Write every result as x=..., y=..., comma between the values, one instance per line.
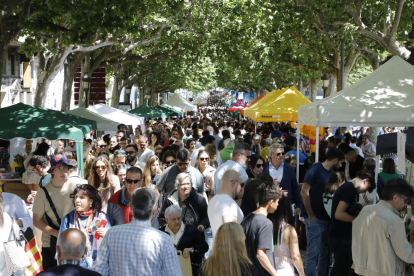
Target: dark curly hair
x=92, y=193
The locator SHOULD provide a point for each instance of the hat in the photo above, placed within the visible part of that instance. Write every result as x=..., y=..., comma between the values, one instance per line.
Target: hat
x=59, y=161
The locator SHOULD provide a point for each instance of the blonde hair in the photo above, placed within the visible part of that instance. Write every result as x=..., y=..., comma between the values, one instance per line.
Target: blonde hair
x=147, y=170
x=229, y=252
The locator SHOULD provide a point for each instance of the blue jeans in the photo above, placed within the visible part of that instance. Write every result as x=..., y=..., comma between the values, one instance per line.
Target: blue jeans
x=317, y=252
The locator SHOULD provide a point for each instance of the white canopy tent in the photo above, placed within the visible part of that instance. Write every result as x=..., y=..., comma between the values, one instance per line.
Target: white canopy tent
x=177, y=100
x=117, y=115
x=383, y=98
x=102, y=122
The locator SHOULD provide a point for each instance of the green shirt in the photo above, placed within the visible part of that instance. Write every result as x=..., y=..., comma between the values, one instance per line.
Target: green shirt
x=388, y=176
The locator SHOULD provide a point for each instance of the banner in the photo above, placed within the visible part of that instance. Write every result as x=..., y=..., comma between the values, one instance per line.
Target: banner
x=252, y=96
x=240, y=95
x=184, y=94
x=164, y=97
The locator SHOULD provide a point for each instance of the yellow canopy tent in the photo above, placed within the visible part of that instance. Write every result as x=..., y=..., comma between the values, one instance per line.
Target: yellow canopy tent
x=277, y=107
x=264, y=99
x=255, y=101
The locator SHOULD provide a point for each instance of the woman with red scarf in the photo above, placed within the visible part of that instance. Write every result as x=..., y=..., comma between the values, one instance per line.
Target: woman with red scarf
x=88, y=218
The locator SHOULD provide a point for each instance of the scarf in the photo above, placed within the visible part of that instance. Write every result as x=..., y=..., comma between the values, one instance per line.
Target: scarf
x=78, y=224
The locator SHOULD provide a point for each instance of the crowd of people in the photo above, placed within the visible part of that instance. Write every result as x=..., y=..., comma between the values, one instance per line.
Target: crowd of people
x=216, y=194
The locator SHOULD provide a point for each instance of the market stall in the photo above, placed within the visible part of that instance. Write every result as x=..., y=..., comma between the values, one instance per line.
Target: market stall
x=147, y=111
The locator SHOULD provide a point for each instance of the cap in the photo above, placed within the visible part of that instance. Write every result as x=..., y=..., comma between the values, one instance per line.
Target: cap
x=59, y=161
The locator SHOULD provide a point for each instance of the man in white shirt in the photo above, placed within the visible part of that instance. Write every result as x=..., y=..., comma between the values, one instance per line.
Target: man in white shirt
x=353, y=145
x=241, y=155
x=223, y=207
x=144, y=152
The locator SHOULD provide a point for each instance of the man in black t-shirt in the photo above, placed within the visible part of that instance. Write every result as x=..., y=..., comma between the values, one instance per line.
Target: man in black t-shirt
x=259, y=230
x=344, y=210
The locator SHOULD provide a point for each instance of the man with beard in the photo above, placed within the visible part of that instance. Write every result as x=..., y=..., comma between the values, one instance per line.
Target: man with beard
x=223, y=207
x=241, y=156
x=131, y=155
x=313, y=210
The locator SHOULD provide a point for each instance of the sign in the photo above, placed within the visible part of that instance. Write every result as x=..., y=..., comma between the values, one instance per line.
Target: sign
x=252, y=96
x=240, y=95
x=401, y=139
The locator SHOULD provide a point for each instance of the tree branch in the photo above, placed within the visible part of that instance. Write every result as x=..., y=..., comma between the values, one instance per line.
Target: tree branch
x=396, y=22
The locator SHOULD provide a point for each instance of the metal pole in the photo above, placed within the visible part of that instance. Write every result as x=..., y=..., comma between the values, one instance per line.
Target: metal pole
x=342, y=63
x=317, y=146
x=376, y=177
x=297, y=151
x=255, y=127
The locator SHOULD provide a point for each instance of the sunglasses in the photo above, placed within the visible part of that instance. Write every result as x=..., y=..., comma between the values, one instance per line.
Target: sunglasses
x=119, y=152
x=204, y=159
x=241, y=183
x=169, y=162
x=101, y=167
x=130, y=152
x=182, y=164
x=280, y=153
x=259, y=166
x=101, y=146
x=135, y=181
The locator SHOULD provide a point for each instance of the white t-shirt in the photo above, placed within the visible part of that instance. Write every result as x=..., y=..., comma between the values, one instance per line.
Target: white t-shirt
x=222, y=205
x=229, y=165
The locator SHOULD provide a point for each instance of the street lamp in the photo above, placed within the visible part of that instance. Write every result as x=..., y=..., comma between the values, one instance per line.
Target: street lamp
x=325, y=83
x=86, y=82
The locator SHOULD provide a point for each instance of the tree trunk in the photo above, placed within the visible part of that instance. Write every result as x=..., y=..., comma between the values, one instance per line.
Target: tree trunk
x=332, y=86
x=86, y=69
x=313, y=91
x=70, y=72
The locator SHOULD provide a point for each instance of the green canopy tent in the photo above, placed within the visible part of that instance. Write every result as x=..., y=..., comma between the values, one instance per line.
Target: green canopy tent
x=147, y=111
x=175, y=112
x=29, y=122
x=167, y=111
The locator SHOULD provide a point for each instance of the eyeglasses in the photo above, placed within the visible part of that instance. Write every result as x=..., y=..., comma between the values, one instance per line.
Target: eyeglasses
x=259, y=166
x=135, y=181
x=182, y=164
x=101, y=146
x=119, y=152
x=169, y=162
x=130, y=152
x=241, y=183
x=204, y=159
x=406, y=200
x=184, y=184
x=101, y=167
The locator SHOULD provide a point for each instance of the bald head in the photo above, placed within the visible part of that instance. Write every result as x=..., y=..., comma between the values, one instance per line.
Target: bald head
x=229, y=177
x=71, y=244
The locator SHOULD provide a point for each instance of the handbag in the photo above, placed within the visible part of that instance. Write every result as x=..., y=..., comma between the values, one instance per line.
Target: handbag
x=185, y=264
x=14, y=253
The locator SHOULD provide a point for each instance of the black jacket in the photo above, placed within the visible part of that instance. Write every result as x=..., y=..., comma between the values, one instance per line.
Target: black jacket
x=192, y=238
x=68, y=270
x=195, y=202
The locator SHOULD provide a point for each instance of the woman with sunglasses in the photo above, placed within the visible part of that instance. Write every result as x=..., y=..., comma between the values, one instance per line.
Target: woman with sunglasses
x=168, y=159
x=89, y=218
x=193, y=204
x=118, y=158
x=203, y=165
x=255, y=166
x=98, y=146
x=102, y=179
x=152, y=172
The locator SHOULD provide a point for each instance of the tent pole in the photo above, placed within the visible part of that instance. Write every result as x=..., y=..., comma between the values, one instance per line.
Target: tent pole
x=297, y=151
x=255, y=127
x=317, y=146
x=376, y=177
